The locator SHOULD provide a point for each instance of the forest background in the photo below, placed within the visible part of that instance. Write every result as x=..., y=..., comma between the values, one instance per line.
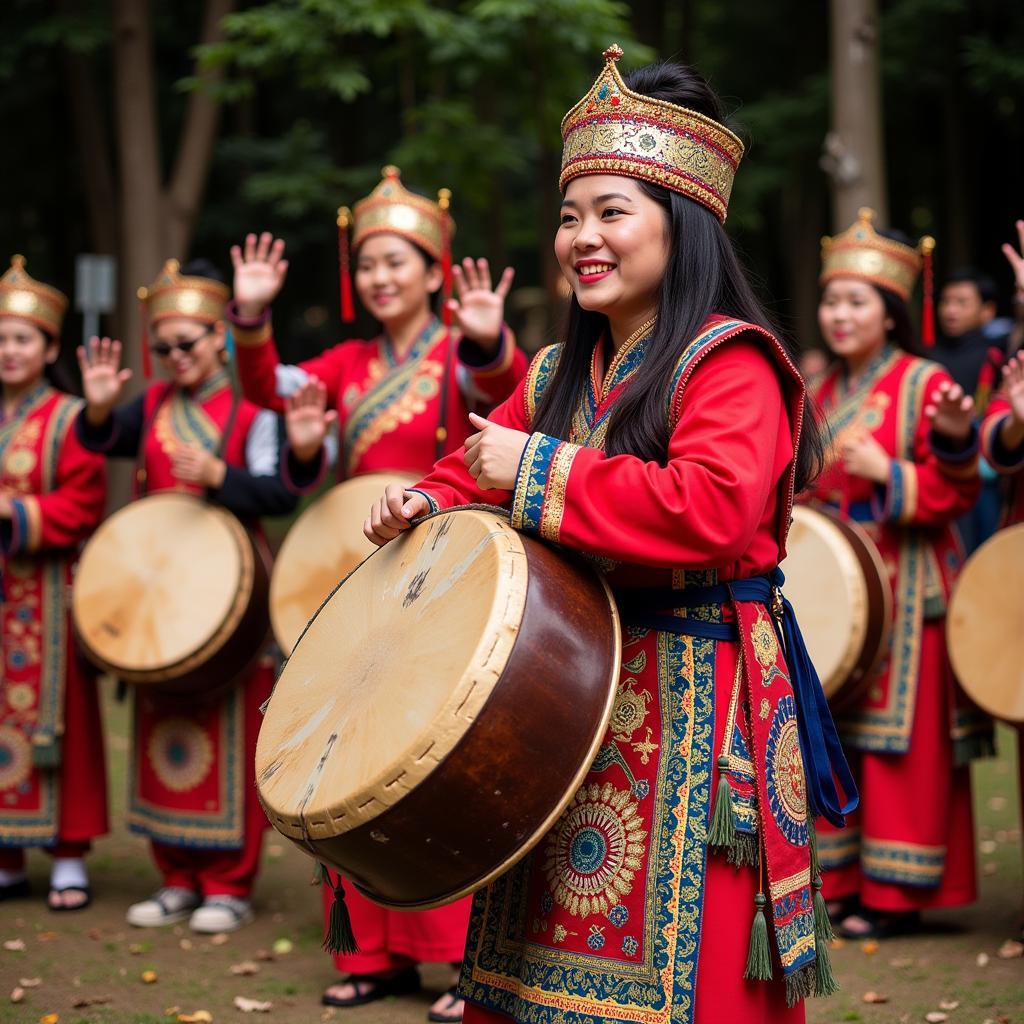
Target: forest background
x=147, y=130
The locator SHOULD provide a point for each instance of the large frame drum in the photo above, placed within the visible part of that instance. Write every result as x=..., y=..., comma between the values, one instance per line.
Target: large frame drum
x=441, y=709
x=171, y=593
x=322, y=547
x=985, y=626
x=840, y=590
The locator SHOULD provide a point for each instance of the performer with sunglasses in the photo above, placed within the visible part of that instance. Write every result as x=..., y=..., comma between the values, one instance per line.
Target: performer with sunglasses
x=192, y=790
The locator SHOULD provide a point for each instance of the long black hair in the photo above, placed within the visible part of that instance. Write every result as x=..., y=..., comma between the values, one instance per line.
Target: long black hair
x=703, y=276
x=902, y=331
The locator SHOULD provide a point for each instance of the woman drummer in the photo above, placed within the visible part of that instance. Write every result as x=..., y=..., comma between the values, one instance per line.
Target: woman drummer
x=911, y=846
x=401, y=400
x=663, y=440
x=53, y=791
x=192, y=791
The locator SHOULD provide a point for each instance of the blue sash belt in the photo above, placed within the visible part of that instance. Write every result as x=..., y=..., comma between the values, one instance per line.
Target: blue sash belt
x=824, y=759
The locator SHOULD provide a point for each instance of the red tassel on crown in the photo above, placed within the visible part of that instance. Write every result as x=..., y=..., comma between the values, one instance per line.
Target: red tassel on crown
x=444, y=199
x=147, y=359
x=348, y=313
x=927, y=246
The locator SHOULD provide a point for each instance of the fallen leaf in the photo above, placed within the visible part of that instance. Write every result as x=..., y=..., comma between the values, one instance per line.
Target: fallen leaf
x=874, y=997
x=328, y=1014
x=901, y=961
x=935, y=1017
x=987, y=846
x=94, y=933
x=185, y=944
x=869, y=947
x=148, y=977
x=264, y=955
x=283, y=946
x=219, y=939
x=199, y=1017
x=14, y=946
x=172, y=1011
x=996, y=803
x=948, y=1004
x=982, y=960
x=30, y=982
x=79, y=1004
x=245, y=967
x=17, y=995
x=50, y=1018
x=48, y=936
x=137, y=948
x=989, y=867
x=1010, y=949
x=252, y=1005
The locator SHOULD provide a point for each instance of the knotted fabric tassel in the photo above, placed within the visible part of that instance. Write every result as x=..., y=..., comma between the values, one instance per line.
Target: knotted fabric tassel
x=147, y=359
x=927, y=288
x=340, y=938
x=722, y=830
x=348, y=312
x=759, y=956
x=825, y=983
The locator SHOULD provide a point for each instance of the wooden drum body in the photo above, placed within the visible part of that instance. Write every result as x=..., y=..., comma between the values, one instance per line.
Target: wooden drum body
x=171, y=593
x=322, y=547
x=842, y=596
x=985, y=626
x=440, y=709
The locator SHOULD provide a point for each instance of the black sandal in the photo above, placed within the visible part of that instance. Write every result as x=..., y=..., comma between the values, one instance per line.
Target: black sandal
x=62, y=908
x=447, y=1018
x=882, y=925
x=15, y=891
x=404, y=983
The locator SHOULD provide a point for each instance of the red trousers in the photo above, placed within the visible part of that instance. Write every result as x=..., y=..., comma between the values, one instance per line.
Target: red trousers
x=916, y=804
x=12, y=858
x=392, y=939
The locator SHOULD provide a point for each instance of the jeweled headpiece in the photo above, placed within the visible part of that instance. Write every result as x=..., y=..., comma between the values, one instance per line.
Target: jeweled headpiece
x=23, y=296
x=614, y=130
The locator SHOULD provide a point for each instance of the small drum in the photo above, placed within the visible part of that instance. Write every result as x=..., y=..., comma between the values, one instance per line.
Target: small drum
x=322, y=547
x=441, y=709
x=171, y=593
x=985, y=626
x=842, y=596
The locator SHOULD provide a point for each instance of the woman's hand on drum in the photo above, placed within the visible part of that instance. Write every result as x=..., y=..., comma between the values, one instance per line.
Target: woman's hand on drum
x=198, y=466
x=951, y=411
x=307, y=418
x=493, y=454
x=1012, y=430
x=102, y=378
x=393, y=513
x=260, y=270
x=480, y=310
x=863, y=456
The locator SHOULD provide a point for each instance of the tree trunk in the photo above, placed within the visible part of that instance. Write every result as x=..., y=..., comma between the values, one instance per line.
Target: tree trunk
x=854, y=153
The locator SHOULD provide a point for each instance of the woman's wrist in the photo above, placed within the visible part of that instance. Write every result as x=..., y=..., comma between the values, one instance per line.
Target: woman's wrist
x=96, y=415
x=306, y=452
x=1011, y=433
x=215, y=475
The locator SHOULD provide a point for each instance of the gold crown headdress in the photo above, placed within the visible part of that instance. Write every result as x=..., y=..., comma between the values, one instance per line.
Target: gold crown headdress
x=392, y=209
x=23, y=296
x=861, y=252
x=174, y=294
x=614, y=130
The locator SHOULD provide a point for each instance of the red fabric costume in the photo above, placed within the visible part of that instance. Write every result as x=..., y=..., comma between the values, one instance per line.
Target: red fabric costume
x=389, y=416
x=1002, y=460
x=910, y=845
x=621, y=914
x=52, y=773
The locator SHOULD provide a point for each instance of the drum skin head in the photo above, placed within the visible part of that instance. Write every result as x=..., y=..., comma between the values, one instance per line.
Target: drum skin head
x=390, y=674
x=157, y=582
x=323, y=545
x=985, y=626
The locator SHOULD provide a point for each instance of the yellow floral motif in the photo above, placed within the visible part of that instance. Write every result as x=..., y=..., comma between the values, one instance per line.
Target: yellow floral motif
x=16, y=759
x=630, y=710
x=20, y=462
x=645, y=747
x=21, y=696
x=765, y=709
x=766, y=644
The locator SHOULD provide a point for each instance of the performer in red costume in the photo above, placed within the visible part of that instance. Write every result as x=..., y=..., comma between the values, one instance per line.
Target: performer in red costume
x=401, y=400
x=53, y=785
x=664, y=439
x=911, y=845
x=192, y=789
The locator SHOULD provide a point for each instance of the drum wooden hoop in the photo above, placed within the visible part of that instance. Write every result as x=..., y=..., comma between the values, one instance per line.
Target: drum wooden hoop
x=985, y=626
x=227, y=651
x=332, y=526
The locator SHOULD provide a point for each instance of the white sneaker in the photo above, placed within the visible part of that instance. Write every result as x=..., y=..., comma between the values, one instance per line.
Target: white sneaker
x=166, y=906
x=221, y=914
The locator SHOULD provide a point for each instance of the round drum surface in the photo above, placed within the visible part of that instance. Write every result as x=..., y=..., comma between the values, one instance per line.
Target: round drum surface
x=324, y=544
x=985, y=625
x=826, y=586
x=391, y=672
x=156, y=582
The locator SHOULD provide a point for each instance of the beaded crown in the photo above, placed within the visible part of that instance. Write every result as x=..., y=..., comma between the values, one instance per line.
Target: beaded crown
x=173, y=294
x=860, y=252
x=23, y=296
x=392, y=209
x=614, y=130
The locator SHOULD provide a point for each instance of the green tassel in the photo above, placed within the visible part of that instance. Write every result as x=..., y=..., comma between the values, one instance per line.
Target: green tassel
x=319, y=874
x=722, y=832
x=799, y=985
x=743, y=852
x=825, y=983
x=340, y=938
x=759, y=957
x=823, y=933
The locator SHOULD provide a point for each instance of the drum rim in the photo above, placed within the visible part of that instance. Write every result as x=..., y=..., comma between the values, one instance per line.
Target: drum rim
x=284, y=552
x=957, y=619
x=235, y=613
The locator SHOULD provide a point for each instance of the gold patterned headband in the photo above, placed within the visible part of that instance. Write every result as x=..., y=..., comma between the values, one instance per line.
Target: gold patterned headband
x=614, y=130
x=23, y=296
x=172, y=295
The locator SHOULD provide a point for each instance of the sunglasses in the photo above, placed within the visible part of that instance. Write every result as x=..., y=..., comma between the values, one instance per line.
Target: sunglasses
x=184, y=345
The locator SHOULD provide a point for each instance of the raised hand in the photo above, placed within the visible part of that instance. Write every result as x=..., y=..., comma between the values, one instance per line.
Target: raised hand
x=198, y=466
x=393, y=513
x=479, y=309
x=102, y=378
x=1013, y=387
x=951, y=411
x=1016, y=259
x=306, y=418
x=493, y=454
x=863, y=456
x=260, y=270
